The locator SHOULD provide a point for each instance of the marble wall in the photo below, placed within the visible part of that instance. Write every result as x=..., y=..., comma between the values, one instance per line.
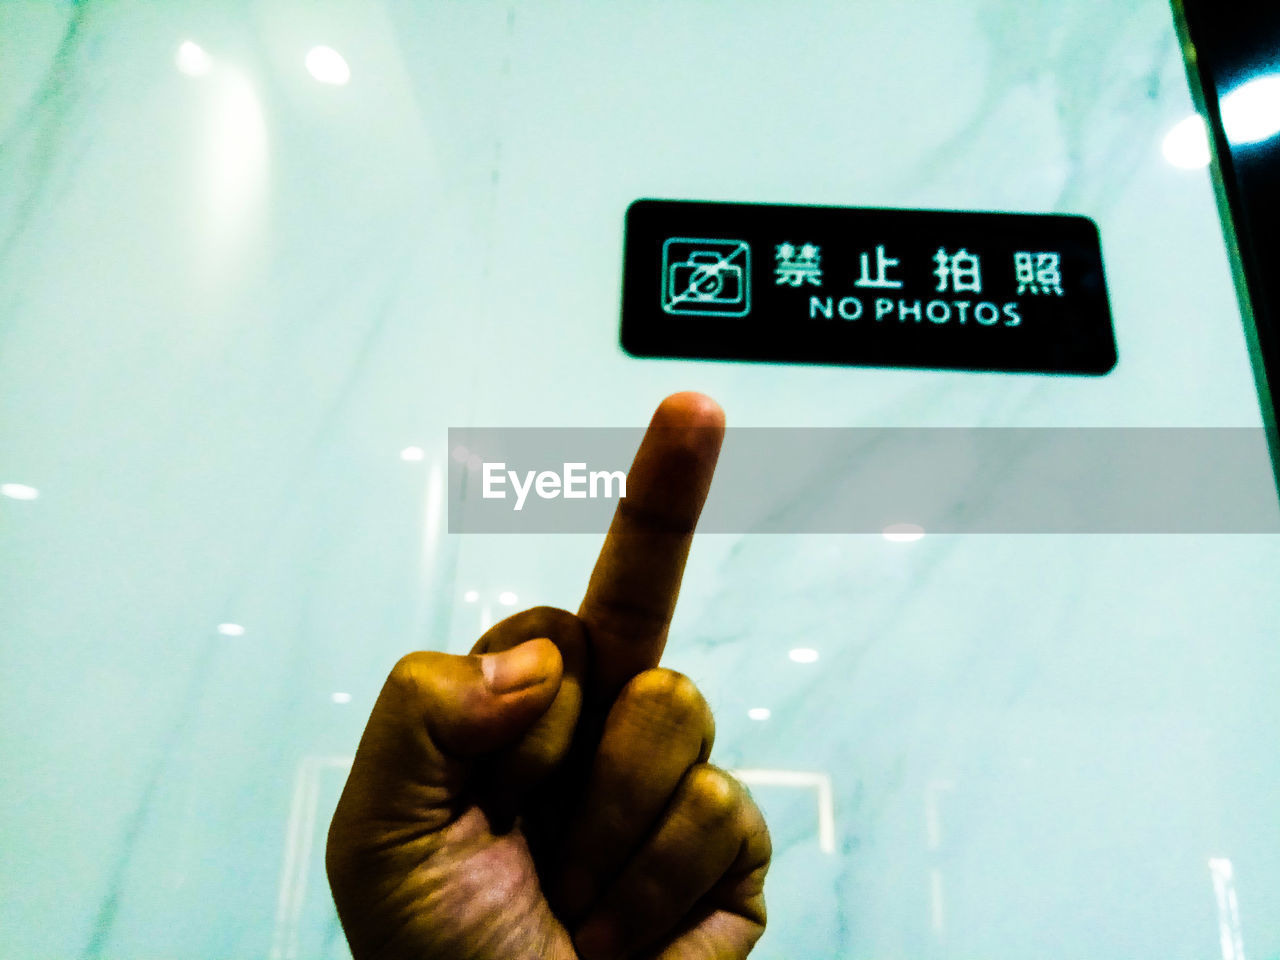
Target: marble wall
x=232, y=295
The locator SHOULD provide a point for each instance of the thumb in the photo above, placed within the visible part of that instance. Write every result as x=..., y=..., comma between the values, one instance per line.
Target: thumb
x=471, y=715
x=436, y=715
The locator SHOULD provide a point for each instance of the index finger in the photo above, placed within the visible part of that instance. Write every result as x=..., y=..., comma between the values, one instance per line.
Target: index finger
x=632, y=592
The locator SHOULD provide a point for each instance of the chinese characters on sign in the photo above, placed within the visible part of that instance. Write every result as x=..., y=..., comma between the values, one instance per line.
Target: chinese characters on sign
x=883, y=264
x=795, y=267
x=961, y=269
x=1038, y=273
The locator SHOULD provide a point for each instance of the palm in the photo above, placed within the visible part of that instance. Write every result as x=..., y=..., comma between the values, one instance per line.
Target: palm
x=472, y=894
x=469, y=893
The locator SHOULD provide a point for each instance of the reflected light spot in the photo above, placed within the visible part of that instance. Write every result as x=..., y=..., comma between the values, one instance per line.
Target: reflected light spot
x=474, y=461
x=327, y=66
x=412, y=453
x=471, y=596
x=231, y=629
x=507, y=598
x=460, y=453
x=19, y=491
x=803, y=655
x=1251, y=112
x=903, y=532
x=758, y=713
x=233, y=182
x=192, y=60
x=341, y=697
x=1187, y=144
x=433, y=511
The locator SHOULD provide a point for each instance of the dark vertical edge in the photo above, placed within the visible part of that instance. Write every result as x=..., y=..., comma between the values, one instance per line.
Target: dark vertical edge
x=1264, y=350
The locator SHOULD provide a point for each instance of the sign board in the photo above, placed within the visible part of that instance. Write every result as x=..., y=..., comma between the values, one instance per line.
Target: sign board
x=865, y=287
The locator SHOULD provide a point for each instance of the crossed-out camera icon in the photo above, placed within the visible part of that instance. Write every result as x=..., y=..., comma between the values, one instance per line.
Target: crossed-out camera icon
x=706, y=277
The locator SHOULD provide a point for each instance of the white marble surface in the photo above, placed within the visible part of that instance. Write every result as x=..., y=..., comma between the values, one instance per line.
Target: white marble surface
x=228, y=301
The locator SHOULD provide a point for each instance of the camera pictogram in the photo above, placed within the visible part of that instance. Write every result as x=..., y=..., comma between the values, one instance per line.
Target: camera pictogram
x=706, y=277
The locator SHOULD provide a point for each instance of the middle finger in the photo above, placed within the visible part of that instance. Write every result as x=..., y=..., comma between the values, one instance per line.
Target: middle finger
x=631, y=596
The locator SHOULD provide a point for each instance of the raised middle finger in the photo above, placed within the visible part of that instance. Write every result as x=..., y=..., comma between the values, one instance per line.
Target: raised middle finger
x=632, y=593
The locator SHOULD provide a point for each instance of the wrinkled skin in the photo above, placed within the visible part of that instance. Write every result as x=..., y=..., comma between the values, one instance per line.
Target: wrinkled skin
x=575, y=814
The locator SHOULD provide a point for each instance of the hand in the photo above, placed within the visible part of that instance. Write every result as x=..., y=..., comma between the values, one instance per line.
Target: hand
x=548, y=796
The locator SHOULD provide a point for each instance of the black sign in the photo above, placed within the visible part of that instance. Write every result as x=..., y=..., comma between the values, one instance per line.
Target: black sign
x=865, y=287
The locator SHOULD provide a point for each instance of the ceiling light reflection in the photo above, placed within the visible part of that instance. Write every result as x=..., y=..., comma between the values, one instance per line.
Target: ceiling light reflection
x=341, y=696
x=231, y=629
x=412, y=453
x=232, y=184
x=192, y=60
x=327, y=66
x=803, y=655
x=1187, y=144
x=903, y=532
x=471, y=596
x=758, y=713
x=507, y=598
x=18, y=491
x=1251, y=112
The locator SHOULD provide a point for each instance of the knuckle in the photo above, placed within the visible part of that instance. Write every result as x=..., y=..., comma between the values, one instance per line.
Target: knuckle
x=668, y=693
x=554, y=621
x=560, y=626
x=409, y=676
x=766, y=841
x=614, y=617
x=655, y=520
x=566, y=630
x=754, y=828
x=714, y=795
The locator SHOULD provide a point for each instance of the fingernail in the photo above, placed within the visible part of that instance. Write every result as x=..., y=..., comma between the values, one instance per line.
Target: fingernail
x=596, y=941
x=517, y=668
